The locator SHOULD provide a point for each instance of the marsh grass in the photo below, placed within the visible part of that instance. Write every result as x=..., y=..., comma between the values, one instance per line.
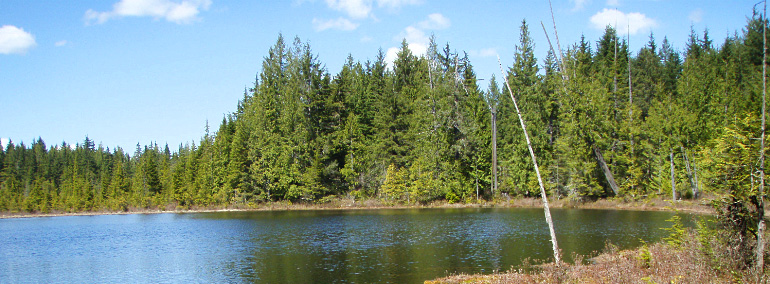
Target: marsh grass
x=697, y=258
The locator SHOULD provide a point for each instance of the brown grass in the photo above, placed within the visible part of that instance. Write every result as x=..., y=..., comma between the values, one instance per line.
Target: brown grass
x=656, y=263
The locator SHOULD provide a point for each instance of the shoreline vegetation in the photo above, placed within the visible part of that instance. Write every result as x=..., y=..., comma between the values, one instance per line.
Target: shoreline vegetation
x=650, y=204
x=692, y=260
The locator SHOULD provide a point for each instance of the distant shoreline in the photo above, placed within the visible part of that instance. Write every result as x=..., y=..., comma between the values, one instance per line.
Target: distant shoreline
x=690, y=206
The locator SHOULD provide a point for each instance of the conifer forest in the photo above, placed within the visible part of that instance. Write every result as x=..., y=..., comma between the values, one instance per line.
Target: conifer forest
x=605, y=120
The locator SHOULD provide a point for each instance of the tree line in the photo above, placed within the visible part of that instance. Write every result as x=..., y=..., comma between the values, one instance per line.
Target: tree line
x=604, y=122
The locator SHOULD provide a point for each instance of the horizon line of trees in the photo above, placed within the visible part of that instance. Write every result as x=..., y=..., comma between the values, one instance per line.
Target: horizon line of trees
x=604, y=122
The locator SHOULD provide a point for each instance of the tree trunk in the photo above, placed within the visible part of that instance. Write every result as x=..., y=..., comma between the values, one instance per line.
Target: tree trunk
x=695, y=175
x=690, y=175
x=673, y=178
x=630, y=109
x=760, y=263
x=494, y=151
x=556, y=253
x=606, y=170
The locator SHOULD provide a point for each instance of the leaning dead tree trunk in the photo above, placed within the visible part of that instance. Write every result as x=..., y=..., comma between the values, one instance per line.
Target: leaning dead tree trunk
x=673, y=177
x=537, y=170
x=494, y=149
x=599, y=158
x=760, y=263
x=690, y=174
x=606, y=170
x=630, y=102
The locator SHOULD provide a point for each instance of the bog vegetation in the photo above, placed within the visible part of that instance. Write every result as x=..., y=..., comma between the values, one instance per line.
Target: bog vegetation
x=656, y=121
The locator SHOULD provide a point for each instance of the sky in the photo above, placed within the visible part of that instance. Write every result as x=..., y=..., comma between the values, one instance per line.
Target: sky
x=124, y=72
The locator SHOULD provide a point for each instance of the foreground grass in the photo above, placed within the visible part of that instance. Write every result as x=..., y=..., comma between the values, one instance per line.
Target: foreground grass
x=692, y=261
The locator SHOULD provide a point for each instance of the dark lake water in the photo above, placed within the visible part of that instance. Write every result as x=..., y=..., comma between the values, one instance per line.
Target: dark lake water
x=359, y=246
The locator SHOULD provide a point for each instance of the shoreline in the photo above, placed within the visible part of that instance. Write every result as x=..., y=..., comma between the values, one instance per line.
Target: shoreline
x=689, y=206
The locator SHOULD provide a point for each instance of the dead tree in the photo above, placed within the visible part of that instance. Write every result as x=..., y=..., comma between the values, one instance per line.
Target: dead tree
x=606, y=170
x=760, y=262
x=494, y=148
x=537, y=170
x=691, y=174
x=630, y=101
x=673, y=177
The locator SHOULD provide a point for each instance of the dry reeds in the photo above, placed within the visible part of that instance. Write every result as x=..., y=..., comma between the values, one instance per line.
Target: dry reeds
x=699, y=259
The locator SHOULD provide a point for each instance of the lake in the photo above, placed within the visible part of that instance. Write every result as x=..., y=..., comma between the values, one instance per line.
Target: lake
x=317, y=246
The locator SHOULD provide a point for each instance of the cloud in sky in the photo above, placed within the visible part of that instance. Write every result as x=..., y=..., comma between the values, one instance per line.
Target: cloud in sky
x=61, y=43
x=360, y=9
x=613, y=3
x=341, y=24
x=435, y=21
x=14, y=40
x=696, y=16
x=183, y=12
x=396, y=4
x=357, y=9
x=631, y=23
x=416, y=37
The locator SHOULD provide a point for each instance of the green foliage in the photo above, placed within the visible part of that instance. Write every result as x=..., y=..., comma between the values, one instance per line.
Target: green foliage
x=645, y=256
x=677, y=232
x=706, y=232
x=394, y=187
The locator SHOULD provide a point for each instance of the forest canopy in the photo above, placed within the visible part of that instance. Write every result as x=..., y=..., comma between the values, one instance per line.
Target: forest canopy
x=605, y=122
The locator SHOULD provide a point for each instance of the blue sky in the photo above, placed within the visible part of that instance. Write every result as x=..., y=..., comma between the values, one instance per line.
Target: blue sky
x=140, y=71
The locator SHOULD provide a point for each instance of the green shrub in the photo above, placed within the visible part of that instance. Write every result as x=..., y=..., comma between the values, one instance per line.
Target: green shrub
x=677, y=232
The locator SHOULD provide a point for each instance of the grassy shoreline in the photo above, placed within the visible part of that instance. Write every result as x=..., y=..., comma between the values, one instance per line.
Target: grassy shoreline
x=655, y=204
x=662, y=262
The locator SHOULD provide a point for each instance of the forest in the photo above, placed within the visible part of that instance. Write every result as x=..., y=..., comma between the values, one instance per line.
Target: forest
x=604, y=122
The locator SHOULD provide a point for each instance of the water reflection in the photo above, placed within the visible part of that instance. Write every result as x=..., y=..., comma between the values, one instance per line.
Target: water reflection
x=361, y=246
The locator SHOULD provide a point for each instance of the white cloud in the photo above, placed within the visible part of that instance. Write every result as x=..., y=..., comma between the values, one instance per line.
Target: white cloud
x=183, y=12
x=613, y=3
x=338, y=24
x=367, y=39
x=579, y=4
x=360, y=9
x=357, y=9
x=435, y=21
x=696, y=16
x=15, y=40
x=61, y=43
x=624, y=23
x=4, y=142
x=395, y=4
x=390, y=56
x=416, y=38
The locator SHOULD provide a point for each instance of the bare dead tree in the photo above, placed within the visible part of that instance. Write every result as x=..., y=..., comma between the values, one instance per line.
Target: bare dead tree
x=673, y=177
x=691, y=175
x=760, y=262
x=630, y=97
x=556, y=32
x=493, y=110
x=606, y=170
x=560, y=60
x=547, y=210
